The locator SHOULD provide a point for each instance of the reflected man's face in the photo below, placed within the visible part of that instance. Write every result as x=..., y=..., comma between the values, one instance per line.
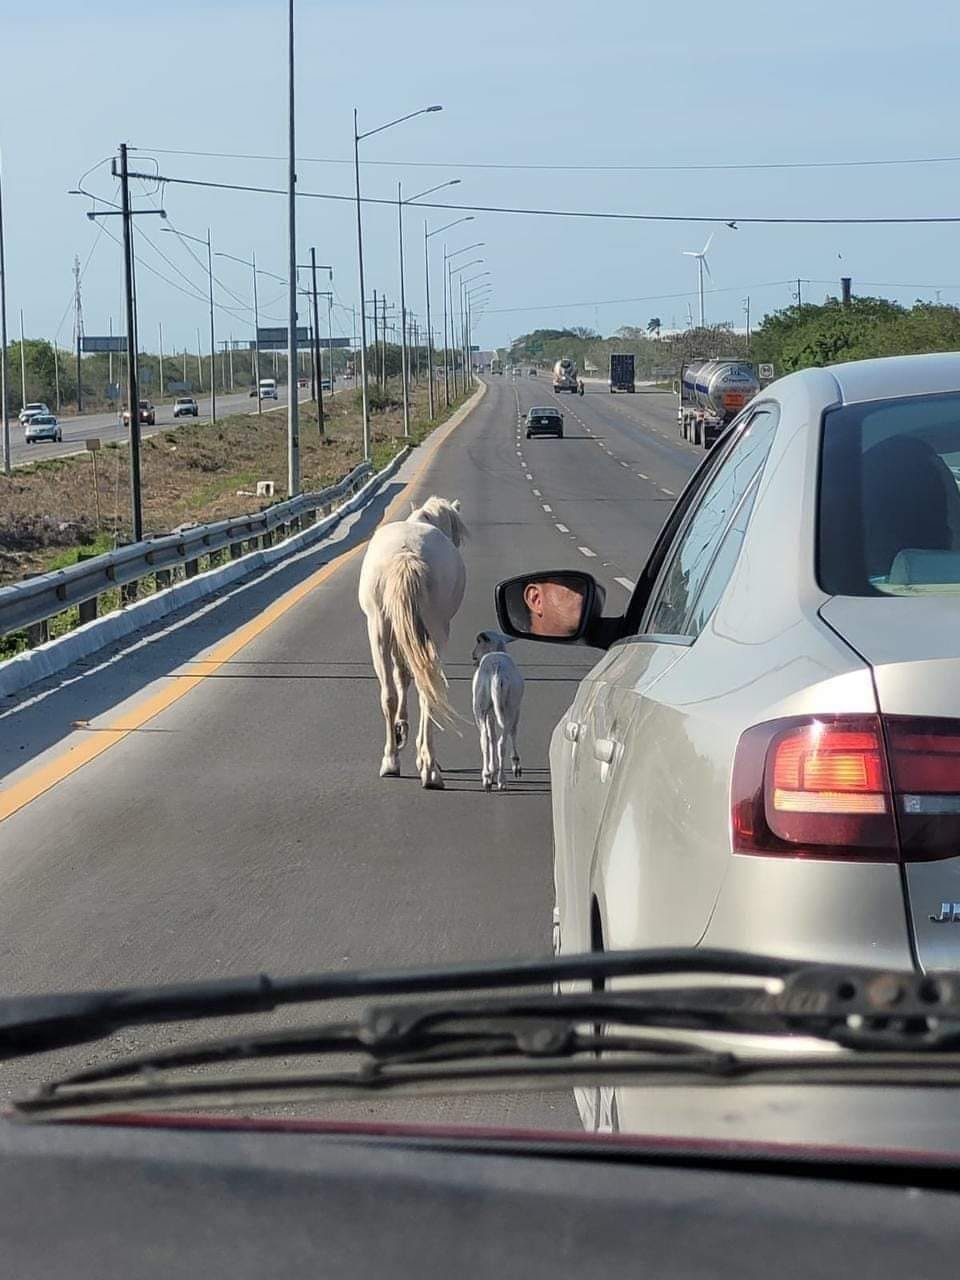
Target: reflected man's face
x=554, y=608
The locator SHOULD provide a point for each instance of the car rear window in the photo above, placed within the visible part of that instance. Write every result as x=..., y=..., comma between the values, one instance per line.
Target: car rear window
x=889, y=506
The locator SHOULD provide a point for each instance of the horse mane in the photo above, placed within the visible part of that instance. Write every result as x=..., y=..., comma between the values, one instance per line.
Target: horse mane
x=441, y=511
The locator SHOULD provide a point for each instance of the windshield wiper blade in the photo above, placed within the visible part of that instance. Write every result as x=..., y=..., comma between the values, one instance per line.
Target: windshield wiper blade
x=525, y=1035
x=802, y=996
x=34, y=1024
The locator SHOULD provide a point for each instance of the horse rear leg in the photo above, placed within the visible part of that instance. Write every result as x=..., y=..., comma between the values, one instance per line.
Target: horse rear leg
x=401, y=683
x=430, y=774
x=381, y=644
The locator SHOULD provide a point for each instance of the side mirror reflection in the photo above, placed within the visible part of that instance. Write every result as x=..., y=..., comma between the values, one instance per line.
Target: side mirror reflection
x=553, y=605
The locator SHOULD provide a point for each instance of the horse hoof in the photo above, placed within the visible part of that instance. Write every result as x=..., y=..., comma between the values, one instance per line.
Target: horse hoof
x=432, y=780
x=390, y=768
x=501, y=786
x=487, y=784
x=517, y=771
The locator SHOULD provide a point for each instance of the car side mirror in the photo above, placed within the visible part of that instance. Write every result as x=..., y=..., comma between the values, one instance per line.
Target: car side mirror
x=556, y=605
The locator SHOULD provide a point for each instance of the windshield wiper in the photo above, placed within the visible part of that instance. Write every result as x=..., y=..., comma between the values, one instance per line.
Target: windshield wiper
x=34, y=1024
x=895, y=1027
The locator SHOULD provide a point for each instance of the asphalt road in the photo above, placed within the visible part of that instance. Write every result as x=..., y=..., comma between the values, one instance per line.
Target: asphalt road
x=244, y=827
x=107, y=426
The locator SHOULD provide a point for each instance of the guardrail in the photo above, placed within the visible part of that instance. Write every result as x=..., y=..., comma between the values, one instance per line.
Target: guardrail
x=31, y=604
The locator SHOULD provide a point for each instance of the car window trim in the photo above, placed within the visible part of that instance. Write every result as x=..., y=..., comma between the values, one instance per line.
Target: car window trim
x=639, y=607
x=750, y=489
x=754, y=412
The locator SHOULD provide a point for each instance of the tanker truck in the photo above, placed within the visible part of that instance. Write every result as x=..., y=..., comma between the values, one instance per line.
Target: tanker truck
x=710, y=394
x=565, y=376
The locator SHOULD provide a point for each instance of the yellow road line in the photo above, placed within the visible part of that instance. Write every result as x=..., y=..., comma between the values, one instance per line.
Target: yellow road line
x=44, y=777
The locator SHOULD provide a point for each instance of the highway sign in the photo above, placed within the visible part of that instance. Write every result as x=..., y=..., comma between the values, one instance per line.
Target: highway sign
x=114, y=342
x=276, y=339
x=92, y=445
x=766, y=372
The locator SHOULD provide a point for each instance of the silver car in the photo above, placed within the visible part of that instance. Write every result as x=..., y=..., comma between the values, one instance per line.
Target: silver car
x=768, y=755
x=42, y=426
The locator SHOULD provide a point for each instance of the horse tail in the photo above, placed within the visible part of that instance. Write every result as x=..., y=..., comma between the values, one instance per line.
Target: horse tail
x=403, y=591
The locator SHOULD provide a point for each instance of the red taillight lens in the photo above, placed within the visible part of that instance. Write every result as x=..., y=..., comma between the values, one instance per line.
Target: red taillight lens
x=925, y=764
x=814, y=787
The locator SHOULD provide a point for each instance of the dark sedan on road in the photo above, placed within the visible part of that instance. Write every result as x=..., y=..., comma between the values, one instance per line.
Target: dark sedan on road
x=544, y=420
x=147, y=415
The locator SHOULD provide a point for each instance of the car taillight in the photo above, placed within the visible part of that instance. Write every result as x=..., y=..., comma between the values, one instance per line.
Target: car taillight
x=874, y=788
x=814, y=787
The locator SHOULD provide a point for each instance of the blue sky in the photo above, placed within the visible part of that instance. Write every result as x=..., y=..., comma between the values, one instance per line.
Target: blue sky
x=535, y=83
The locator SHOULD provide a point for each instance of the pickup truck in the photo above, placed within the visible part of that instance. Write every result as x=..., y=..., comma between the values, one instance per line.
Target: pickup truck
x=147, y=414
x=185, y=407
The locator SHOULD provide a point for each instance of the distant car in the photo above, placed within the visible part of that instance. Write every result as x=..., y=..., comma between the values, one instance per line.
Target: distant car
x=544, y=420
x=186, y=407
x=301, y=382
x=532, y=373
x=32, y=411
x=147, y=415
x=325, y=384
x=42, y=426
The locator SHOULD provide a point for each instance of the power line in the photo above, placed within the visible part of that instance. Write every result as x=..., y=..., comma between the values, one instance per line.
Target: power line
x=570, y=168
x=652, y=297
x=602, y=215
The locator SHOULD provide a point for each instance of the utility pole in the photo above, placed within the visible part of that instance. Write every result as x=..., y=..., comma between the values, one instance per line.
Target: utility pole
x=376, y=341
x=4, y=368
x=79, y=328
x=293, y=399
x=799, y=297
x=56, y=371
x=316, y=342
x=746, y=307
x=213, y=340
x=160, y=347
x=200, y=361
x=230, y=349
x=383, y=345
x=256, y=333
x=133, y=391
x=23, y=365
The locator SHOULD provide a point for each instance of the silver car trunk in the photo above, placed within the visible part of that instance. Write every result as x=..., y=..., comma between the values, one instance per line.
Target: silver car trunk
x=913, y=646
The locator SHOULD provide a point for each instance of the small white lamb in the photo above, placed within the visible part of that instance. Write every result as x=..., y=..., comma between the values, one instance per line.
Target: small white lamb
x=497, y=694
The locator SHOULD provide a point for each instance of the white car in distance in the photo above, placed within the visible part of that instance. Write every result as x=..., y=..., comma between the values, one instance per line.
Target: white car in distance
x=43, y=426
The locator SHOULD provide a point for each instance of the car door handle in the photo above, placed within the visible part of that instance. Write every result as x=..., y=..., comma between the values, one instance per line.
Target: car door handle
x=605, y=749
x=571, y=731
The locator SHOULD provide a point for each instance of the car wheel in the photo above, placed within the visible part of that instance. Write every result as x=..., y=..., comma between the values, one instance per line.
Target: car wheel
x=529, y=434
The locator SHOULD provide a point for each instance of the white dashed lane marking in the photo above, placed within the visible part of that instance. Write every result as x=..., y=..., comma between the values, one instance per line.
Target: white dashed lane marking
x=585, y=551
x=626, y=584
x=528, y=476
x=536, y=493
x=563, y=528
x=547, y=507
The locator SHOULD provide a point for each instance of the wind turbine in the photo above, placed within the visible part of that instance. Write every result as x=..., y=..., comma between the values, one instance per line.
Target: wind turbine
x=702, y=265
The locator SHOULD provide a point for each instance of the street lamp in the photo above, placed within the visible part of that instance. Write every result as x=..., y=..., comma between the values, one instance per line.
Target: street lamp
x=451, y=272
x=213, y=344
x=454, y=182
x=4, y=404
x=252, y=264
x=481, y=292
x=448, y=287
x=426, y=284
x=357, y=139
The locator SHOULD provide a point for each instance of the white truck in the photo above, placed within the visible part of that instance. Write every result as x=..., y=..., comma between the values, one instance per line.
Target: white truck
x=268, y=389
x=710, y=394
x=565, y=377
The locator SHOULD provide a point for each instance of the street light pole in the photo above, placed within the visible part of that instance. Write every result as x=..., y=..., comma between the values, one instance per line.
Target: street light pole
x=4, y=368
x=363, y=298
x=316, y=341
x=426, y=286
x=403, y=322
x=213, y=341
x=357, y=139
x=293, y=399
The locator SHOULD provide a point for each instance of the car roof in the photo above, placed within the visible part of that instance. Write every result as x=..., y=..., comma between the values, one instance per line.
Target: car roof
x=892, y=376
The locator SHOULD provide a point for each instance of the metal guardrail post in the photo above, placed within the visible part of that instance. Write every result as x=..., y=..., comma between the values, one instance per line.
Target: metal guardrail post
x=88, y=609
x=191, y=568
x=39, y=633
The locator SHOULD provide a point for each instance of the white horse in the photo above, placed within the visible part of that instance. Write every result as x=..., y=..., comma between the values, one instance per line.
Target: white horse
x=411, y=585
